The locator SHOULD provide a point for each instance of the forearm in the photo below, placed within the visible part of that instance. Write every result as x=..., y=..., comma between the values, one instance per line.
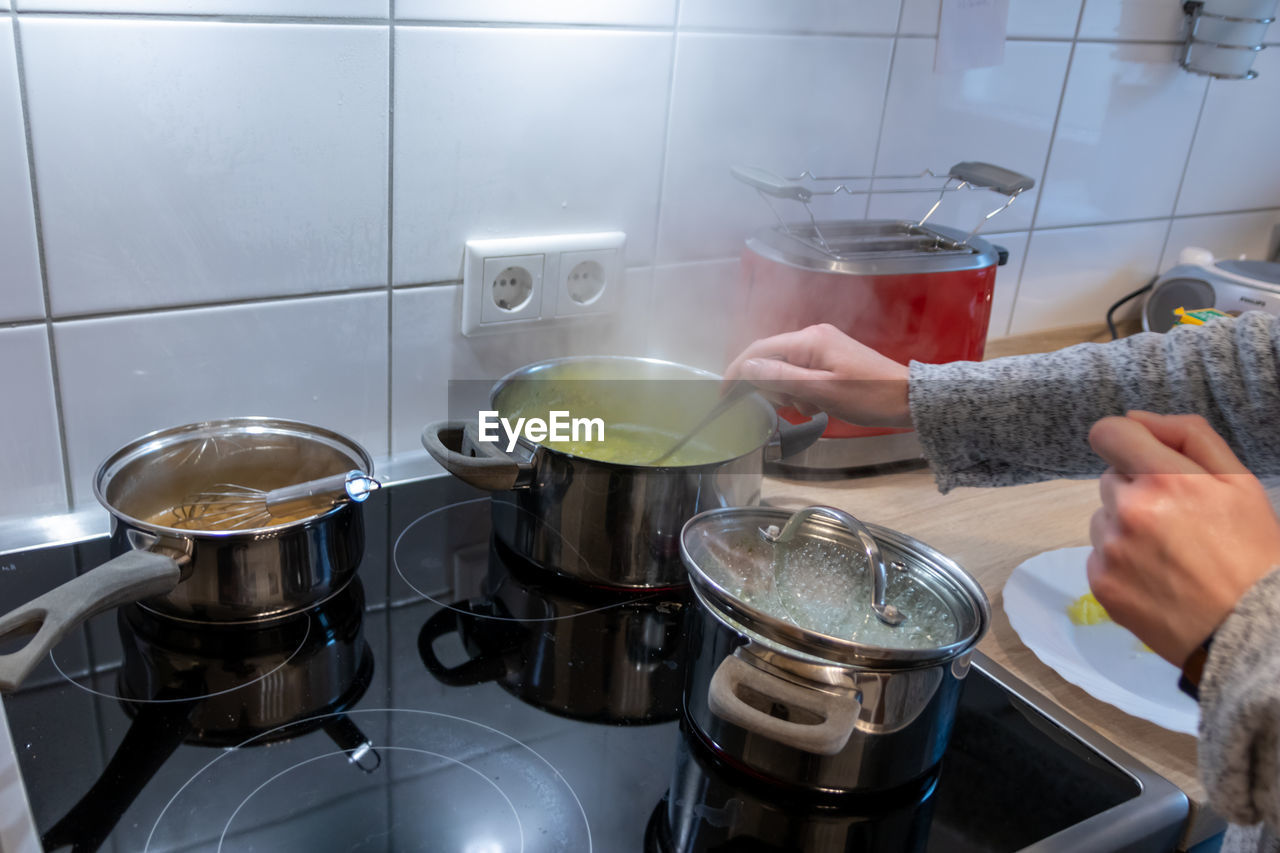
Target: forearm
x=1026, y=418
x=1240, y=710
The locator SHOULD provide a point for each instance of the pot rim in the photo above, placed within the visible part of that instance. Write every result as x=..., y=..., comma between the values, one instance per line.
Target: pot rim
x=157, y=440
x=531, y=447
x=789, y=637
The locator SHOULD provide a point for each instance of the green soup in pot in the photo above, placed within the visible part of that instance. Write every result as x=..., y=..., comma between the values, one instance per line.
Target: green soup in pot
x=644, y=408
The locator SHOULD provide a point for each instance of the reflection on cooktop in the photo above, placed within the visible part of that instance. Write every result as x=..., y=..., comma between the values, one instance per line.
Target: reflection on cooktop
x=606, y=657
x=215, y=685
x=457, y=698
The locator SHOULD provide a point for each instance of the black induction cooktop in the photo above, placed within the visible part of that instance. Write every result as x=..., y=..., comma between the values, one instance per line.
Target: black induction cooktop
x=454, y=698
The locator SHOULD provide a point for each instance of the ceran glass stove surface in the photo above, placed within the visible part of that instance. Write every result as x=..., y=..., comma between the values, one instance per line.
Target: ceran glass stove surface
x=454, y=698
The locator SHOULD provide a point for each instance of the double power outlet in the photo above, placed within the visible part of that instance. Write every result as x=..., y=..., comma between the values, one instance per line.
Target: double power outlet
x=523, y=281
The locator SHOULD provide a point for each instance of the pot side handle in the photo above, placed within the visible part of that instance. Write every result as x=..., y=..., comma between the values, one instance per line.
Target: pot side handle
x=475, y=670
x=129, y=577
x=792, y=438
x=837, y=715
x=486, y=466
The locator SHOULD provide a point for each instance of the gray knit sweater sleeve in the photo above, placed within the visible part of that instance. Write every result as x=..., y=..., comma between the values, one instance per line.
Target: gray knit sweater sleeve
x=1026, y=418
x=1240, y=716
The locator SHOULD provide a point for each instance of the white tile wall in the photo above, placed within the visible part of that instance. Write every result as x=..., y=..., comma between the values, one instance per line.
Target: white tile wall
x=1127, y=119
x=1230, y=235
x=783, y=103
x=427, y=354
x=166, y=180
x=21, y=296
x=309, y=8
x=1027, y=18
x=1137, y=20
x=30, y=455
x=500, y=133
x=424, y=319
x=652, y=13
x=1006, y=289
x=1073, y=275
x=321, y=360
x=1002, y=115
x=814, y=16
x=692, y=313
x=191, y=170
x=1233, y=164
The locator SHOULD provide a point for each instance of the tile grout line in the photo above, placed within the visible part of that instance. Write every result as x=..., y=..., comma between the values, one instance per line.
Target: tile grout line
x=41, y=261
x=1186, y=167
x=228, y=303
x=460, y=23
x=319, y=20
x=391, y=208
x=1044, y=174
x=355, y=20
x=391, y=195
x=381, y=288
x=884, y=110
x=662, y=181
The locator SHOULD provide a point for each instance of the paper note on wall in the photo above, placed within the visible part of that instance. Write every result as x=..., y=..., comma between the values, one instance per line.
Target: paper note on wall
x=971, y=34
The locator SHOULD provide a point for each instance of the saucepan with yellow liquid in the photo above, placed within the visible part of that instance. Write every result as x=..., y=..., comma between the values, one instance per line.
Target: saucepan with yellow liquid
x=605, y=503
x=198, y=567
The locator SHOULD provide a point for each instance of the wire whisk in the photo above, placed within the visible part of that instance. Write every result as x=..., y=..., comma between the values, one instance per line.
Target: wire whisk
x=228, y=506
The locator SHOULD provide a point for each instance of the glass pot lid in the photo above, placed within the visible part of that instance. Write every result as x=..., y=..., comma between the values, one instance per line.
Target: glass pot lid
x=807, y=580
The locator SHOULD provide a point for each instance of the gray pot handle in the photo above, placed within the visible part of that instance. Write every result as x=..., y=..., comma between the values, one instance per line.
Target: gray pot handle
x=792, y=438
x=837, y=714
x=769, y=183
x=129, y=577
x=992, y=177
x=480, y=463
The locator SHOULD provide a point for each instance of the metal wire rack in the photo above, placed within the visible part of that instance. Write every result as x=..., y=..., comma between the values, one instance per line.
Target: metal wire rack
x=807, y=185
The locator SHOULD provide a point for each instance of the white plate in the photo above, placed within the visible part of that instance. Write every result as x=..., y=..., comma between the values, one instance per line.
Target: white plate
x=1105, y=660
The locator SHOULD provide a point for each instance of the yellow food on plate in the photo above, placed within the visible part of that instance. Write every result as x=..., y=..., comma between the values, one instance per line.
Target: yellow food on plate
x=1086, y=610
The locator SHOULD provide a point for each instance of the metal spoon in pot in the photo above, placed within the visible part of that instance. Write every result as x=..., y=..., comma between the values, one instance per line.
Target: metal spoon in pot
x=737, y=390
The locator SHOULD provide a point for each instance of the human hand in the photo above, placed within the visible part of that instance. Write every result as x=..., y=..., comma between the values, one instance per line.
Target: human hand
x=820, y=368
x=1183, y=533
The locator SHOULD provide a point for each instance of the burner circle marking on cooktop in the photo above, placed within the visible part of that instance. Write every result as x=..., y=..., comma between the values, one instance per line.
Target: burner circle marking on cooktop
x=418, y=526
x=548, y=815
x=510, y=805
x=87, y=688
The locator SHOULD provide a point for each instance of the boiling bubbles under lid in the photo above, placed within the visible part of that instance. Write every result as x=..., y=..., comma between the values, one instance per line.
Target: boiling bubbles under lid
x=820, y=581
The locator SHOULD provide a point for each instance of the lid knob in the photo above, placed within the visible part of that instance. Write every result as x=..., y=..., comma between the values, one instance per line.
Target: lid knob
x=886, y=613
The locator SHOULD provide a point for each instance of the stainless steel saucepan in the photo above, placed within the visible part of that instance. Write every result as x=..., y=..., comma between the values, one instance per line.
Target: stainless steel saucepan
x=205, y=575
x=604, y=513
x=792, y=675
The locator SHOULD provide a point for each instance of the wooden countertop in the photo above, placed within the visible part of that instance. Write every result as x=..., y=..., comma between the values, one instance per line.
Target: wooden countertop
x=990, y=532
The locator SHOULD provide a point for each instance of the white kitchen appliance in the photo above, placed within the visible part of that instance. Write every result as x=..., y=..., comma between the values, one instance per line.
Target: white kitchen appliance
x=1200, y=281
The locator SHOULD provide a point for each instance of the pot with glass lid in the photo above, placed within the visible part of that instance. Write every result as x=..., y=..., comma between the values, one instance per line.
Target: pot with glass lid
x=824, y=653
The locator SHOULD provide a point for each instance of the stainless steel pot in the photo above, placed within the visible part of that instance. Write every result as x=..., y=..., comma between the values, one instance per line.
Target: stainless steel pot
x=806, y=708
x=204, y=575
x=607, y=523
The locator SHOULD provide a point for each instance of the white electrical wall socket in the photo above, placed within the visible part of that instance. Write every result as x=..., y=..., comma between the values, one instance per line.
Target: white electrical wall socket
x=525, y=281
